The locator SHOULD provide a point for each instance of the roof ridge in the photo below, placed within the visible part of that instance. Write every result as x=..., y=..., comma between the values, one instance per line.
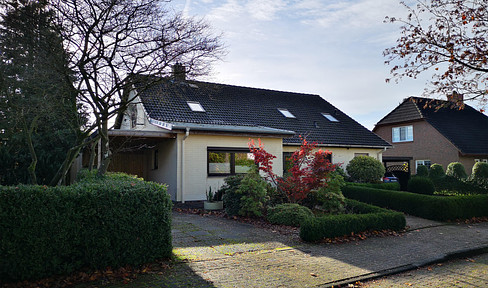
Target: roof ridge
x=248, y=87
x=422, y=116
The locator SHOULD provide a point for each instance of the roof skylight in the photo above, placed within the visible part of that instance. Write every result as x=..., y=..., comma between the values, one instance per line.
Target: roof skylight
x=195, y=106
x=330, y=117
x=286, y=113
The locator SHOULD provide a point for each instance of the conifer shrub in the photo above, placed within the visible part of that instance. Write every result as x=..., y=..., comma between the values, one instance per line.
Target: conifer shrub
x=328, y=199
x=232, y=199
x=456, y=170
x=253, y=190
x=365, y=169
x=290, y=214
x=436, y=171
x=421, y=185
x=422, y=171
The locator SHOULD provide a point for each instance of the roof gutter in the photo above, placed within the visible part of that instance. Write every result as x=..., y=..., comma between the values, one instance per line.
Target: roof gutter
x=343, y=146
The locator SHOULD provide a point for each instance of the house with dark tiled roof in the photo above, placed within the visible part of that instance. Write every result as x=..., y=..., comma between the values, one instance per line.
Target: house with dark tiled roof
x=192, y=134
x=435, y=131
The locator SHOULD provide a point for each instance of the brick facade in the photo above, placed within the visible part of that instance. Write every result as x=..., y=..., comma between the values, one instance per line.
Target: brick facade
x=427, y=144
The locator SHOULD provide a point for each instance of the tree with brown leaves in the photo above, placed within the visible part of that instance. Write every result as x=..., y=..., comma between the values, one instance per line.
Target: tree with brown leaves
x=448, y=38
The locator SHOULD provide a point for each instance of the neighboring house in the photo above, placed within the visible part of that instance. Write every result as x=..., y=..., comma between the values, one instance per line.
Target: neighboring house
x=419, y=129
x=191, y=134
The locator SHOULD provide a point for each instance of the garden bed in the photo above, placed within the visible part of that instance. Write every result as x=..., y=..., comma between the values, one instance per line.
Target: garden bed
x=361, y=221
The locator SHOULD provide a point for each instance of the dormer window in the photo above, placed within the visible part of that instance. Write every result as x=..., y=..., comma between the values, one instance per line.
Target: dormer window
x=286, y=113
x=195, y=106
x=330, y=117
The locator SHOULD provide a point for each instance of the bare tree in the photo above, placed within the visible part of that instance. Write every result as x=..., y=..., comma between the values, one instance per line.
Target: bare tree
x=110, y=40
x=448, y=38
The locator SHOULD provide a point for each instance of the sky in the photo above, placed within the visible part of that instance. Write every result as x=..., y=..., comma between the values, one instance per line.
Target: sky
x=325, y=47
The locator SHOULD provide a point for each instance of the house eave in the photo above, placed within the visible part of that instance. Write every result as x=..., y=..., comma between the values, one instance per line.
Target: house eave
x=140, y=133
x=231, y=129
x=343, y=145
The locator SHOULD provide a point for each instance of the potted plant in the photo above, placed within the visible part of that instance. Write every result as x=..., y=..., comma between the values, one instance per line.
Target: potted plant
x=213, y=202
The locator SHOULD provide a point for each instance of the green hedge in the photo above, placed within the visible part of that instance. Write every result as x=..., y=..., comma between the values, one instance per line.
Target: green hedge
x=387, y=186
x=114, y=221
x=440, y=208
x=366, y=217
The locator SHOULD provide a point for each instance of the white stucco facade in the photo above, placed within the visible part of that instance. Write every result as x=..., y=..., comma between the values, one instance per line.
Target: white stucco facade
x=179, y=157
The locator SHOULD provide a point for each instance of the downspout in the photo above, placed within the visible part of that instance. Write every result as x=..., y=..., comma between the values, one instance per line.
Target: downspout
x=182, y=177
x=381, y=152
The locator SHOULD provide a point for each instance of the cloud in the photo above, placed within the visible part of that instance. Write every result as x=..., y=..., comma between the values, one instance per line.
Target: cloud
x=265, y=10
x=362, y=14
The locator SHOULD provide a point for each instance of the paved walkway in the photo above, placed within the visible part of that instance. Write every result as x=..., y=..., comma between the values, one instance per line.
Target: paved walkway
x=227, y=253
x=465, y=272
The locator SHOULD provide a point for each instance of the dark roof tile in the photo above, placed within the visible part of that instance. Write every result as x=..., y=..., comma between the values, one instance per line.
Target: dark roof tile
x=467, y=128
x=236, y=105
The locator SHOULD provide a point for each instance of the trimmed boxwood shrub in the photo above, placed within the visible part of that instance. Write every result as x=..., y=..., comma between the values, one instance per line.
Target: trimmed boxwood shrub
x=456, y=170
x=365, y=169
x=451, y=185
x=290, y=214
x=436, y=171
x=440, y=208
x=112, y=221
x=480, y=172
x=422, y=171
x=374, y=218
x=387, y=186
x=421, y=185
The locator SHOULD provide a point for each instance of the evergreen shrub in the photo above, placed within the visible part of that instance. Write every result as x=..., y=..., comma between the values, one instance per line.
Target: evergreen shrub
x=421, y=185
x=232, y=199
x=422, y=171
x=456, y=170
x=436, y=171
x=290, y=214
x=112, y=221
x=480, y=172
x=372, y=218
x=439, y=208
x=253, y=190
x=365, y=169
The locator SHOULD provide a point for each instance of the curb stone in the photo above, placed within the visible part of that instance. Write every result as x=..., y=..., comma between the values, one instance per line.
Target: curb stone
x=409, y=267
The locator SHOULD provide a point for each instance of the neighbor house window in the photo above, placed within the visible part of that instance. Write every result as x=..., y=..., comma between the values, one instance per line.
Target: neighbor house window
x=286, y=113
x=402, y=134
x=422, y=163
x=223, y=162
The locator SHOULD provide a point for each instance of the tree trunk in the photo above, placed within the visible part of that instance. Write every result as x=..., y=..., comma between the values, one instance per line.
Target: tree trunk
x=70, y=158
x=105, y=151
x=93, y=154
x=28, y=137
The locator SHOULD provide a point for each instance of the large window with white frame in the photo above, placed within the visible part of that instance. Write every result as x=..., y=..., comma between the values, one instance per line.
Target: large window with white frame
x=402, y=134
x=426, y=163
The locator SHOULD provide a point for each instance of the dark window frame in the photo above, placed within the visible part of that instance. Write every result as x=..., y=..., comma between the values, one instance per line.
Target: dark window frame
x=232, y=152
